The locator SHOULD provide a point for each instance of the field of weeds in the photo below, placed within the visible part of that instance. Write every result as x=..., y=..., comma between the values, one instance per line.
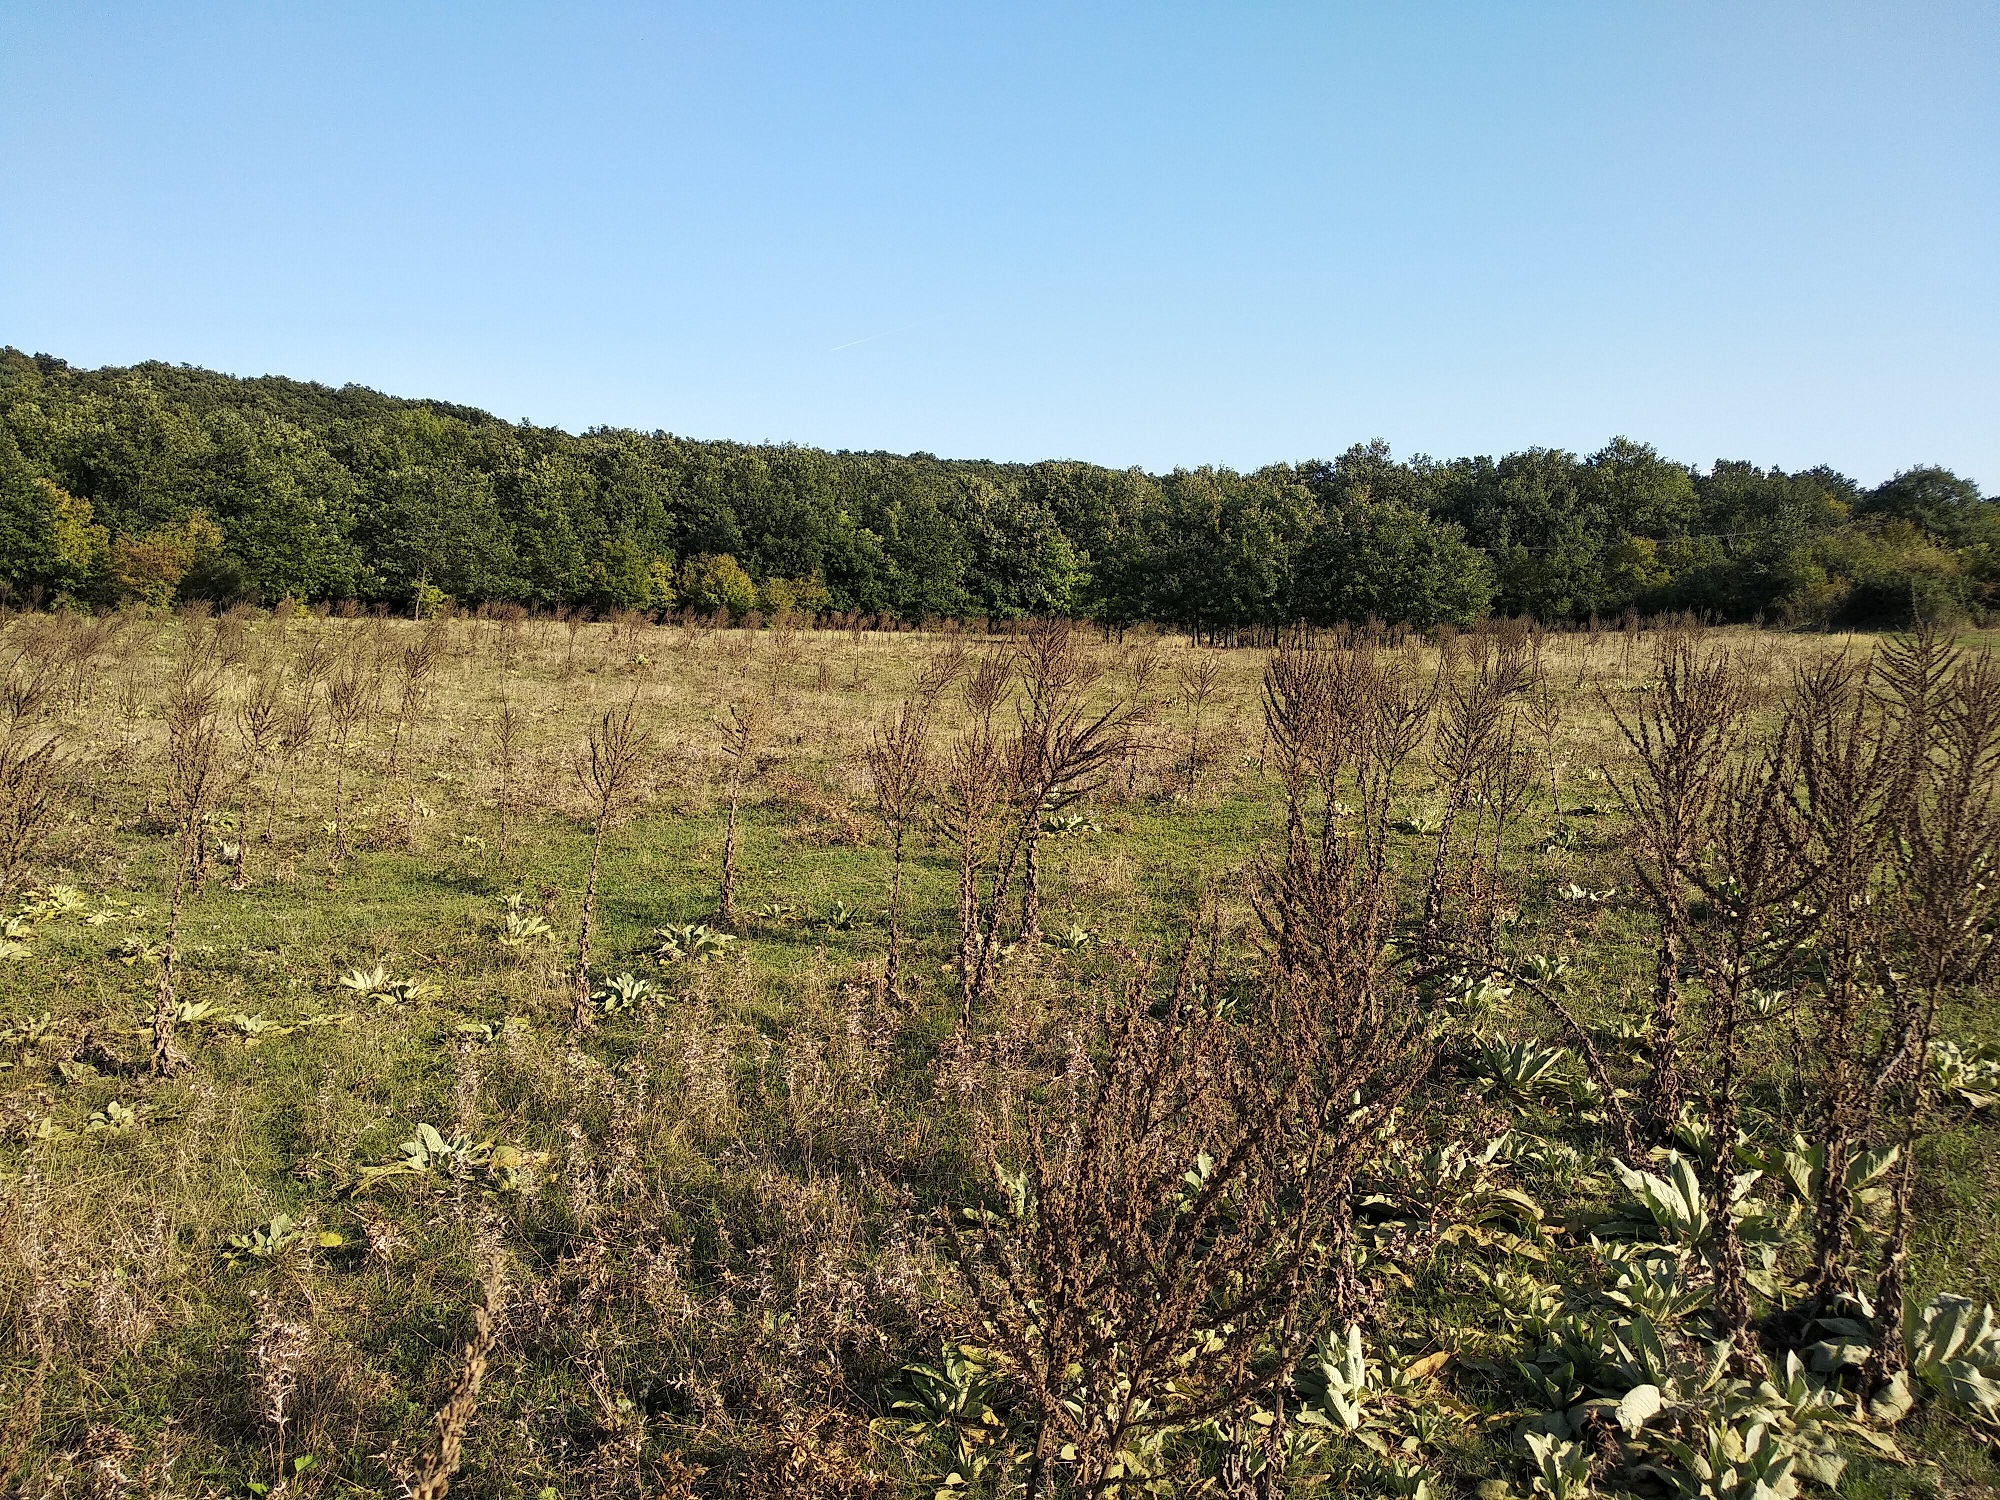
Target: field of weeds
x=527, y=1057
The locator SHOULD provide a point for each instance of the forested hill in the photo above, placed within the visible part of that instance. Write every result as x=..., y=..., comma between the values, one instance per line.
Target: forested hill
x=163, y=481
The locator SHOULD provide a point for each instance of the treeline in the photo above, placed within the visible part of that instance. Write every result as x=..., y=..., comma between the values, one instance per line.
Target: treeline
x=163, y=482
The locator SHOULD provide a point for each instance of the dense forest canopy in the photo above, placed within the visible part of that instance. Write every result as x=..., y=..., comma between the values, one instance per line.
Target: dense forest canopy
x=161, y=482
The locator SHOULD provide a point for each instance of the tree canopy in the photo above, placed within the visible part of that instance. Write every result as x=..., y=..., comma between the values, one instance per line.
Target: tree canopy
x=161, y=482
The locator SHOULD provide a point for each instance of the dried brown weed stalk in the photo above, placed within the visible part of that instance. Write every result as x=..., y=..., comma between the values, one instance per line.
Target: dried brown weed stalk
x=1172, y=1227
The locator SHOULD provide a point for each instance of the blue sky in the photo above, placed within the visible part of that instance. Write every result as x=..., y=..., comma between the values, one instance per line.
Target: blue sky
x=1152, y=234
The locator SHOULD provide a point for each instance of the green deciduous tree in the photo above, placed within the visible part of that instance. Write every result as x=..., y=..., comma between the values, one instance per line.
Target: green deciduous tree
x=712, y=582
x=49, y=542
x=1392, y=562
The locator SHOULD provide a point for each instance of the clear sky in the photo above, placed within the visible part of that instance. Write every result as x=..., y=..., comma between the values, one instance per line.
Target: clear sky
x=1150, y=234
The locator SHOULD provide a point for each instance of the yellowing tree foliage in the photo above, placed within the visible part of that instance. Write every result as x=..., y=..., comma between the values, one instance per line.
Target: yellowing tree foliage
x=149, y=568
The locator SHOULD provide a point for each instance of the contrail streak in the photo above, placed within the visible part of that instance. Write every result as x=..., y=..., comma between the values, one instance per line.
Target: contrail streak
x=869, y=340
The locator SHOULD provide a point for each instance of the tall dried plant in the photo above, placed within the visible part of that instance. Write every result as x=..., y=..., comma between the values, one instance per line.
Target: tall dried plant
x=1183, y=1195
x=968, y=806
x=1751, y=871
x=1542, y=709
x=609, y=771
x=1475, y=726
x=1061, y=750
x=900, y=769
x=260, y=727
x=1143, y=661
x=506, y=760
x=1683, y=734
x=194, y=779
x=134, y=675
x=280, y=1352
x=742, y=731
x=1198, y=681
x=432, y=1481
x=506, y=620
x=1851, y=792
x=417, y=663
x=784, y=632
x=300, y=726
x=36, y=776
x=1344, y=719
x=1946, y=715
x=1063, y=747
x=36, y=772
x=572, y=621
x=351, y=686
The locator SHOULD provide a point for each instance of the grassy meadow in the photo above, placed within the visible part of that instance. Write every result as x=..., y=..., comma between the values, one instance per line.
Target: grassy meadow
x=402, y=1209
